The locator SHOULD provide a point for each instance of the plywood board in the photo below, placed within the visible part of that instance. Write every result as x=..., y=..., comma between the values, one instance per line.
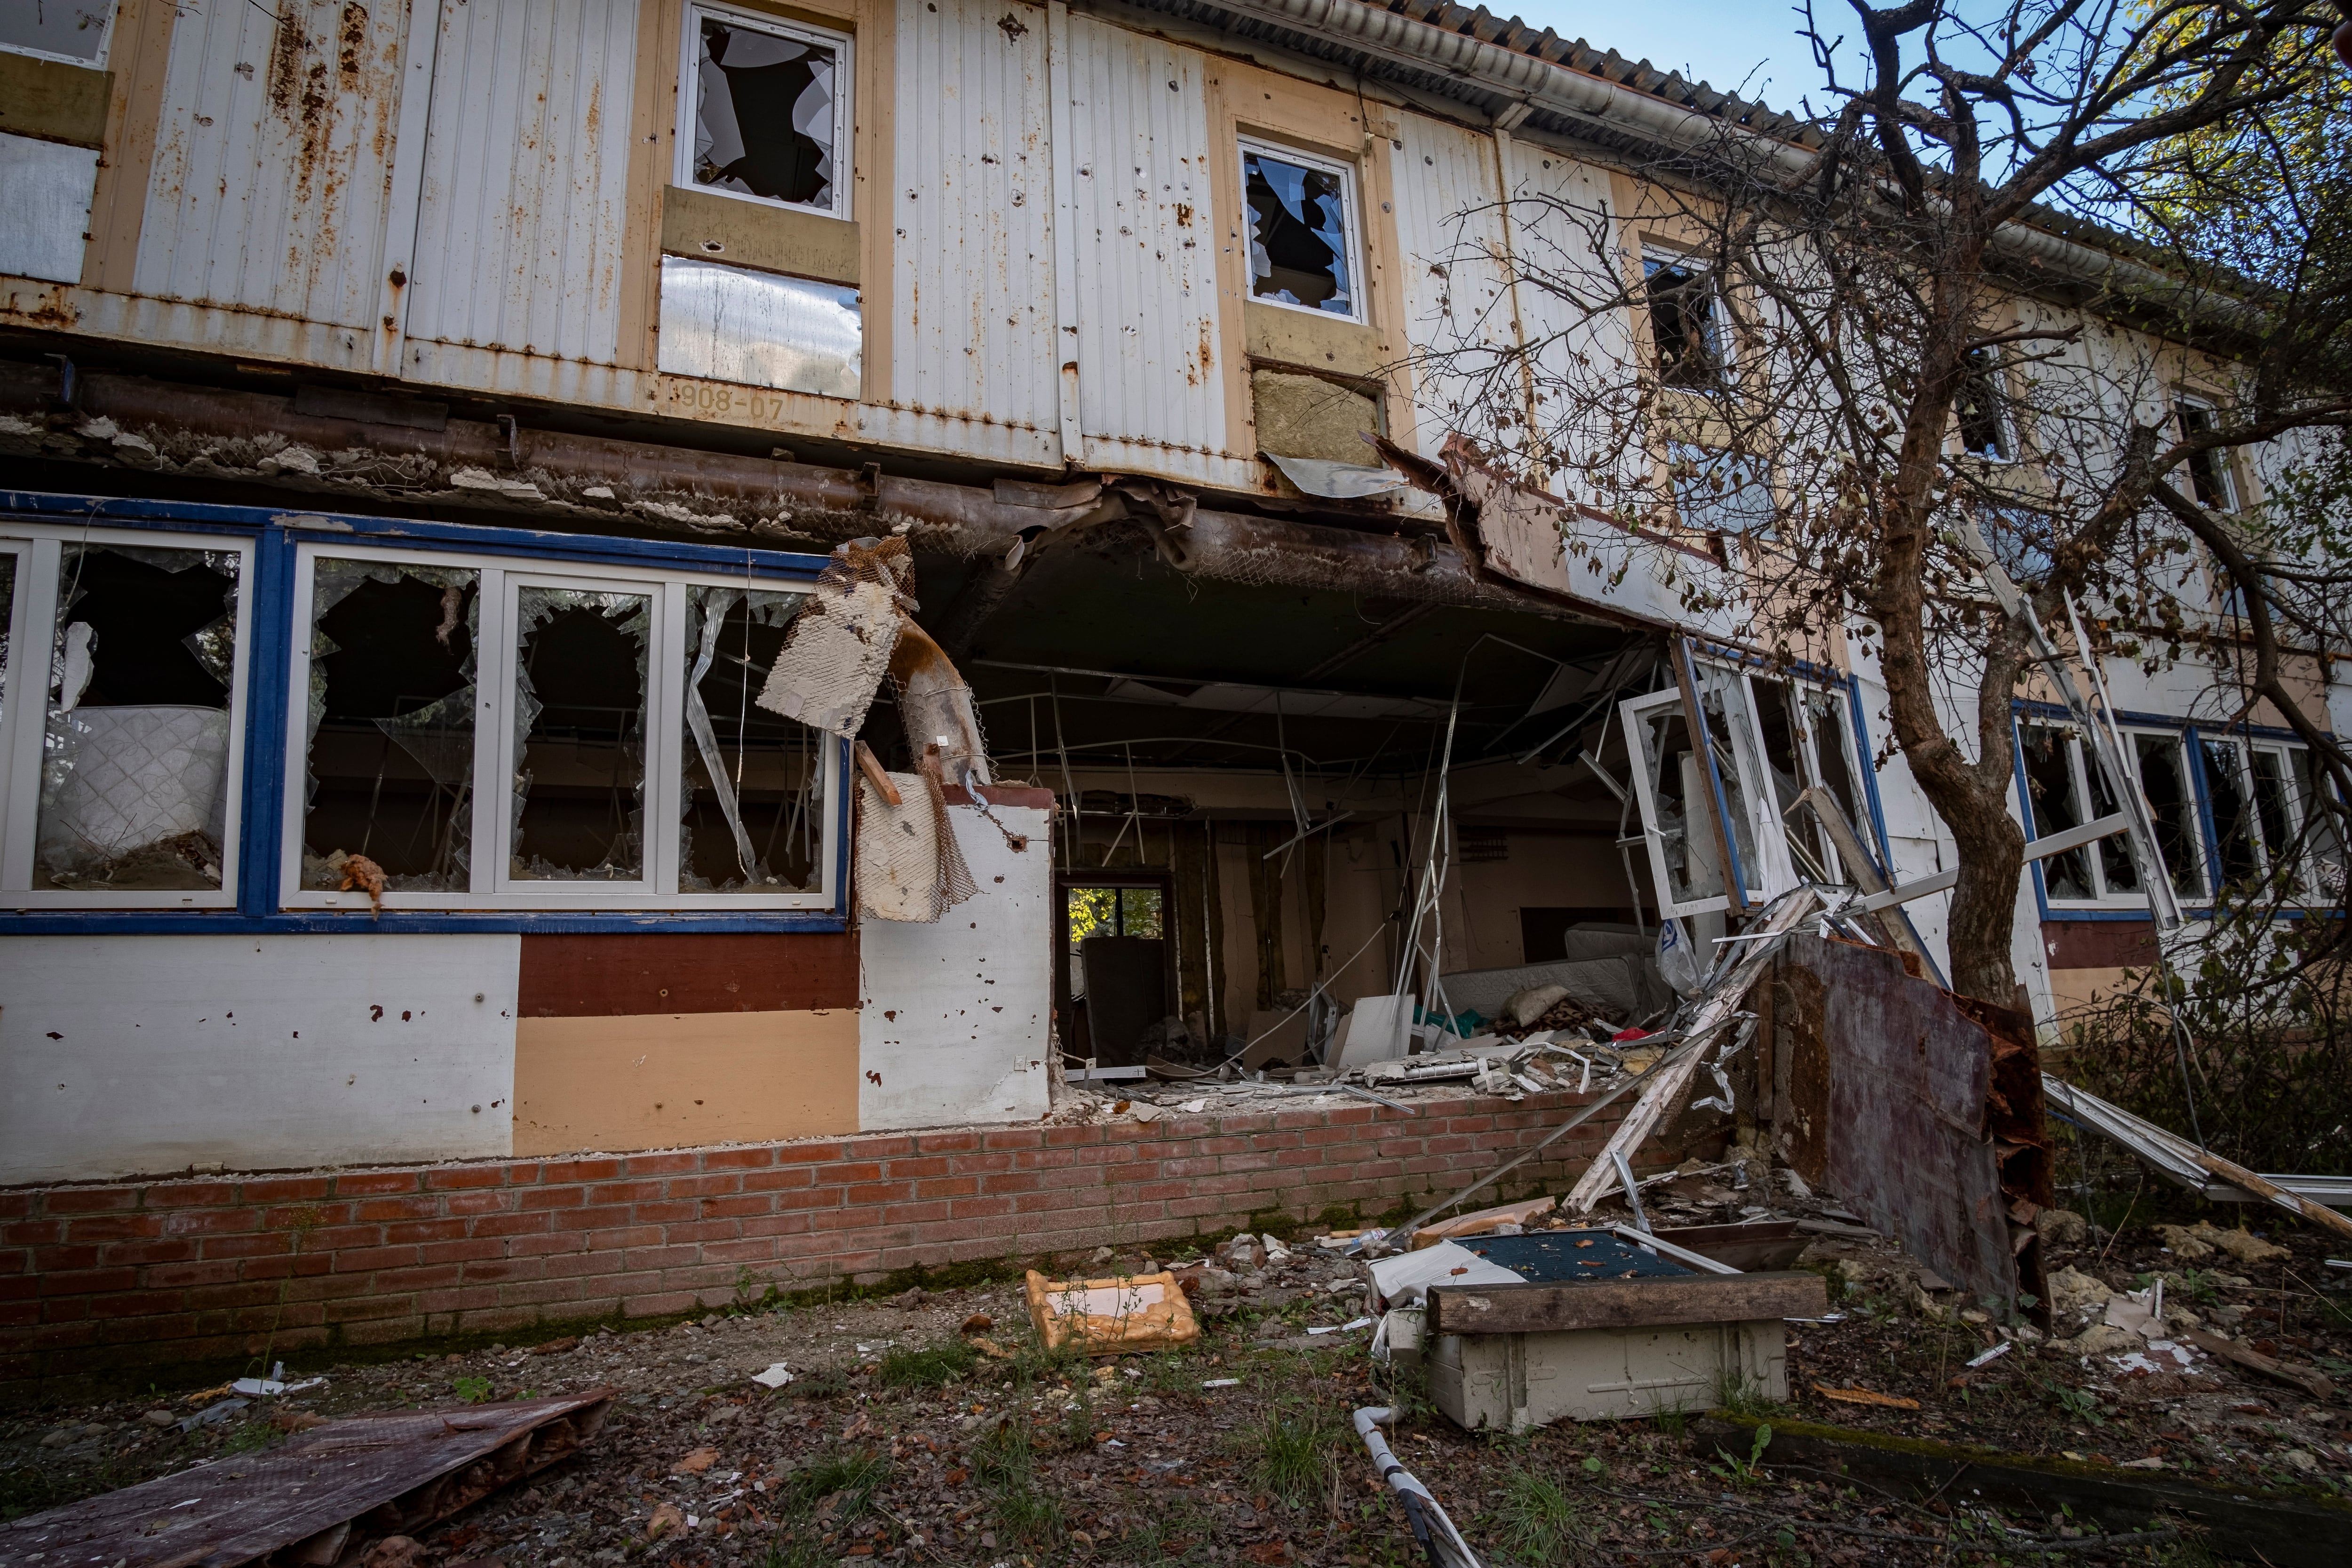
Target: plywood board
x=659, y=1080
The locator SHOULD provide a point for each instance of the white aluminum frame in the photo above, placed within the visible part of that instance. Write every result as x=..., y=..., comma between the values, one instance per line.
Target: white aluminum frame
x=689, y=100
x=1634, y=714
x=87, y=62
x=490, y=887
x=1351, y=224
x=40, y=549
x=1726, y=352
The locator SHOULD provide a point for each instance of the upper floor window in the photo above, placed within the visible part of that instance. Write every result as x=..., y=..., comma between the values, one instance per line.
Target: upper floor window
x=1723, y=492
x=73, y=30
x=763, y=110
x=1686, y=323
x=1302, y=230
x=1981, y=411
x=2210, y=480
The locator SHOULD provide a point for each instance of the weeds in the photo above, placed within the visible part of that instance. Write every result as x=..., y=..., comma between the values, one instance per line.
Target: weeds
x=472, y=1390
x=1171, y=1536
x=1286, y=1449
x=1537, y=1523
x=251, y=1438
x=1750, y=1471
x=935, y=1367
x=1006, y=1462
x=1740, y=1395
x=1004, y=1454
x=839, y=1482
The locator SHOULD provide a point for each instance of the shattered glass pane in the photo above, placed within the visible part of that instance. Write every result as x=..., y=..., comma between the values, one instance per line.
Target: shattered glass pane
x=1298, y=233
x=764, y=113
x=391, y=725
x=2272, y=805
x=1682, y=325
x=2117, y=867
x=2164, y=779
x=1721, y=702
x=1976, y=408
x=2233, y=813
x=580, y=659
x=2046, y=758
x=1687, y=842
x=1833, y=749
x=1721, y=491
x=134, y=766
x=752, y=808
x=2323, y=853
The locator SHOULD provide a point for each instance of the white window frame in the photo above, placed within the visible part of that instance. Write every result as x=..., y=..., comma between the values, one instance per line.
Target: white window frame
x=87, y=62
x=1634, y=714
x=2299, y=809
x=1352, y=225
x=689, y=101
x=2079, y=764
x=2004, y=416
x=490, y=886
x=2223, y=466
x=40, y=549
x=2207, y=873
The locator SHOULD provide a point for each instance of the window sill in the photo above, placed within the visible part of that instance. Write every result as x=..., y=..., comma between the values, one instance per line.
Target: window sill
x=744, y=231
x=405, y=923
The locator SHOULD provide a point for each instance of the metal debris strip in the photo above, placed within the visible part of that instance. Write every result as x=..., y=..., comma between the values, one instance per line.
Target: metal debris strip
x=322, y=1497
x=2307, y=1197
x=1716, y=1009
x=1434, y=1532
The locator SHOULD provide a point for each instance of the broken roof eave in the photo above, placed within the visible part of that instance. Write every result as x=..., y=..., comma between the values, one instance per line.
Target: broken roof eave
x=1649, y=112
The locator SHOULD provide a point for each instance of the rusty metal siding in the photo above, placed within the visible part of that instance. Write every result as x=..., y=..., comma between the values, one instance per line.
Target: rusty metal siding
x=523, y=210
x=1146, y=241
x=971, y=209
x=268, y=189
x=1458, y=308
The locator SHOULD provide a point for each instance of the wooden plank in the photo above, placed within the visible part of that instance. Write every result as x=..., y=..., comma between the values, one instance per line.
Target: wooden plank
x=2294, y=1203
x=1625, y=1303
x=871, y=766
x=2311, y=1380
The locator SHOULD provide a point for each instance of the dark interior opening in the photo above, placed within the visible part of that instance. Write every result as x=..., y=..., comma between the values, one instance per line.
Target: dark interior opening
x=582, y=762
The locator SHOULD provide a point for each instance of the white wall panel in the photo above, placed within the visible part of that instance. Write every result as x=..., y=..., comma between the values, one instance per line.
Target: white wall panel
x=971, y=209
x=136, y=1055
x=271, y=156
x=525, y=192
x=1564, y=241
x=1146, y=241
x=1457, y=308
x=953, y=1017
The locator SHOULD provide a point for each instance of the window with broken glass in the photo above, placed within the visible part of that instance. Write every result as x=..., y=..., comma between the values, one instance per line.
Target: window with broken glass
x=1686, y=323
x=1980, y=410
x=499, y=733
x=1301, y=212
x=2065, y=788
x=763, y=110
x=120, y=747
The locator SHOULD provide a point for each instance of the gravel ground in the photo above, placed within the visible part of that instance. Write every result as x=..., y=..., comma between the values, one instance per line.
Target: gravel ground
x=913, y=1433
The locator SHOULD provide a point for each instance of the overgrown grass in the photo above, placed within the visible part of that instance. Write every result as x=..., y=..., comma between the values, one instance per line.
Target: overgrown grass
x=931, y=1367
x=849, y=1476
x=1286, y=1449
x=1006, y=1463
x=1741, y=1395
x=1538, y=1524
x=1178, y=1533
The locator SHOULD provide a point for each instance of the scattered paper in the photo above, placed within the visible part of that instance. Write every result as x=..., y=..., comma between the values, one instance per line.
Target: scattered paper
x=776, y=1376
x=1826, y=1318
x=1222, y=1382
x=268, y=1387
x=1995, y=1353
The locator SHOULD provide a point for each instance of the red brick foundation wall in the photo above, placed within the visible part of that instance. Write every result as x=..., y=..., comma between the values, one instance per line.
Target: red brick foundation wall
x=107, y=1280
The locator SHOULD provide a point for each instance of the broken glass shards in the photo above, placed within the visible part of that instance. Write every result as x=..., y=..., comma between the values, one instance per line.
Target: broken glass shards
x=766, y=116
x=391, y=736
x=1299, y=253
x=752, y=782
x=759, y=328
x=580, y=659
x=135, y=764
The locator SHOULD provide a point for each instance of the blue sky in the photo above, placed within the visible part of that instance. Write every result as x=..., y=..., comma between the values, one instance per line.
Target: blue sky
x=1717, y=41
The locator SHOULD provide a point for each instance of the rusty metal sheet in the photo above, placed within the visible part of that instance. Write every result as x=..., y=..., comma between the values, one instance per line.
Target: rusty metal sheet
x=971, y=210
x=523, y=218
x=319, y=1498
x=1891, y=1107
x=271, y=158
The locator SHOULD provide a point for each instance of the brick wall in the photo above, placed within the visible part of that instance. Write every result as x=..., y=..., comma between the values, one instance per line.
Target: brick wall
x=104, y=1281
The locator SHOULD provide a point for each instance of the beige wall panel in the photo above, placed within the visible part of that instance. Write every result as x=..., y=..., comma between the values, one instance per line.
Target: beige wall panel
x=657, y=1081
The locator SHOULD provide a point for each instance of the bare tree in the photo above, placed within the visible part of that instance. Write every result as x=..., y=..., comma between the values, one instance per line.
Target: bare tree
x=1974, y=288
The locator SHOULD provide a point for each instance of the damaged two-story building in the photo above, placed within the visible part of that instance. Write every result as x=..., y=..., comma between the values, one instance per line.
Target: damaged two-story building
x=425, y=423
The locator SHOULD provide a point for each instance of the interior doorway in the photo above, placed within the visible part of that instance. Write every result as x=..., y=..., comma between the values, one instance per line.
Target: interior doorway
x=1114, y=965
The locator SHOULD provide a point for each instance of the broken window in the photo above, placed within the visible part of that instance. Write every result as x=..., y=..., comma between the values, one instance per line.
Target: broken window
x=73, y=30
x=765, y=110
x=1685, y=325
x=2210, y=479
x=2235, y=832
x=752, y=782
x=136, y=764
x=1980, y=410
x=1109, y=911
x=1738, y=773
x=1671, y=787
x=1832, y=732
x=391, y=736
x=2164, y=780
x=581, y=659
x=2046, y=757
x=1301, y=230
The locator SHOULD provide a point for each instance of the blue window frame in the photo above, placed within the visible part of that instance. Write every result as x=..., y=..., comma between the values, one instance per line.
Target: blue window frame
x=229, y=719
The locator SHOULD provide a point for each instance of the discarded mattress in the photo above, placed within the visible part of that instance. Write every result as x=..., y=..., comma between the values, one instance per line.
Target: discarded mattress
x=1624, y=990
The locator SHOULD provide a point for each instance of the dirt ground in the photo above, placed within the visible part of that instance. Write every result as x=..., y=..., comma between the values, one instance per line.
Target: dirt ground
x=901, y=1438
